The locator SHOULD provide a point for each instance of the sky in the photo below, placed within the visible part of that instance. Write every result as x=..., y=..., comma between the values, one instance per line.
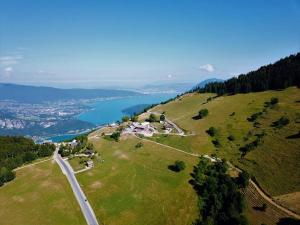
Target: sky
x=131, y=43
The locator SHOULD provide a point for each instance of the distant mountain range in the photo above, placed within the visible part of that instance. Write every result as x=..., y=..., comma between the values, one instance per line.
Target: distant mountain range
x=34, y=94
x=167, y=88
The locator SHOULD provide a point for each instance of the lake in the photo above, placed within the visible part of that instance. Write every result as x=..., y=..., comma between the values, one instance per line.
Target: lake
x=108, y=111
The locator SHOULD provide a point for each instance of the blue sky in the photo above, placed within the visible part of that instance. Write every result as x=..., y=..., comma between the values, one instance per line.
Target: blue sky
x=98, y=43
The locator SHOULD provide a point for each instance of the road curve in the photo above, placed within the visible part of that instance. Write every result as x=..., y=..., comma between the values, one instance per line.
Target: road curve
x=80, y=196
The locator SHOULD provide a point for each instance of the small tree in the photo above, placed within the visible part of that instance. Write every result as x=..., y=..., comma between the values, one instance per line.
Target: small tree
x=139, y=145
x=264, y=207
x=116, y=136
x=203, y=113
x=134, y=118
x=274, y=101
x=178, y=166
x=212, y=131
x=162, y=117
x=243, y=179
x=231, y=137
x=125, y=119
x=153, y=118
x=283, y=121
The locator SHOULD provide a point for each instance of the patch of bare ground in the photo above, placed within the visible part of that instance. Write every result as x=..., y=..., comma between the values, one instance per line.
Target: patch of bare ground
x=255, y=212
x=96, y=185
x=121, y=155
x=290, y=201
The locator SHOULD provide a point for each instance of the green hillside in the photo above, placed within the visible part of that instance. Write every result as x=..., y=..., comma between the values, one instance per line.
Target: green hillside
x=274, y=162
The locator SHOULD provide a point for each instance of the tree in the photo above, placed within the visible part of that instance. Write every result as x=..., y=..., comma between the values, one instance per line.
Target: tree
x=139, y=145
x=274, y=101
x=283, y=121
x=219, y=199
x=243, y=179
x=177, y=166
x=162, y=117
x=6, y=175
x=212, y=131
x=264, y=207
x=153, y=118
x=202, y=113
x=134, y=118
x=279, y=75
x=231, y=137
x=125, y=118
x=116, y=136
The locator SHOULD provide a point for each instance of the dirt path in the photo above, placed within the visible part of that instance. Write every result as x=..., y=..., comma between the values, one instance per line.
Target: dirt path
x=32, y=164
x=258, y=189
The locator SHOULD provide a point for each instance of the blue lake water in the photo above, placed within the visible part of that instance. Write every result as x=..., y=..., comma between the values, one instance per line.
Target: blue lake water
x=110, y=110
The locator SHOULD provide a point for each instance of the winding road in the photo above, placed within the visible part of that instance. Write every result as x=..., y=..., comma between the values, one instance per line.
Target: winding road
x=80, y=196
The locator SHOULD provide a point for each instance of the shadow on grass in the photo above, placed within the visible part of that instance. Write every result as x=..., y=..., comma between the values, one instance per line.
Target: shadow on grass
x=288, y=221
x=173, y=168
x=197, y=117
x=294, y=136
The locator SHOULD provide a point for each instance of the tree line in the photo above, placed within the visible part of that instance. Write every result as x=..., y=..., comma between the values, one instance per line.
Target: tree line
x=220, y=200
x=16, y=151
x=279, y=75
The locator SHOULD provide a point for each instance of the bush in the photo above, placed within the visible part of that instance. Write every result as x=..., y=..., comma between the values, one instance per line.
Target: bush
x=153, y=118
x=125, y=118
x=116, y=136
x=216, y=143
x=231, y=137
x=139, y=145
x=177, y=166
x=264, y=207
x=254, y=117
x=243, y=179
x=162, y=117
x=203, y=113
x=134, y=119
x=272, y=102
x=283, y=121
x=212, y=131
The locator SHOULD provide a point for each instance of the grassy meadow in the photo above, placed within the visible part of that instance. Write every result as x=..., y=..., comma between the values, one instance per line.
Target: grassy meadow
x=40, y=194
x=134, y=185
x=274, y=163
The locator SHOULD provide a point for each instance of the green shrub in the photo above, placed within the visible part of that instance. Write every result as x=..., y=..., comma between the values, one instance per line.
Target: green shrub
x=177, y=166
x=125, y=118
x=153, y=118
x=231, y=137
x=254, y=117
x=116, y=136
x=139, y=145
x=203, y=113
x=212, y=131
x=283, y=121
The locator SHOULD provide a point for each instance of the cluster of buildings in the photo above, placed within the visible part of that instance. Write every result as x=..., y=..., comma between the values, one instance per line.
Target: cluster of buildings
x=143, y=128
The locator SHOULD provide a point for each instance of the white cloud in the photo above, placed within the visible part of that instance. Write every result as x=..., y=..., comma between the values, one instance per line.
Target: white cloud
x=7, y=72
x=169, y=76
x=10, y=60
x=208, y=68
x=8, y=69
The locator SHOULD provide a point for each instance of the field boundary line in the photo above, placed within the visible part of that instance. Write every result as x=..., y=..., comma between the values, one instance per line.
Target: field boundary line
x=32, y=164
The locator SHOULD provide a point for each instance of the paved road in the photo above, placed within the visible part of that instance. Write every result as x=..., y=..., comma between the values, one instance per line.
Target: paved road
x=80, y=196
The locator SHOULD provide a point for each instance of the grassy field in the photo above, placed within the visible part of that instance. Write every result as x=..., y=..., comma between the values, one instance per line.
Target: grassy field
x=78, y=163
x=40, y=194
x=134, y=185
x=275, y=163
